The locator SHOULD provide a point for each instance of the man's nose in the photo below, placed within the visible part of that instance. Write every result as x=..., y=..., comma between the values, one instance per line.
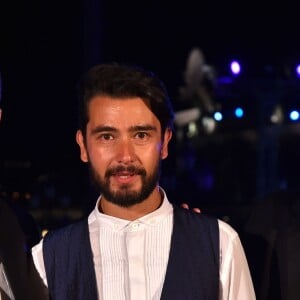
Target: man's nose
x=126, y=153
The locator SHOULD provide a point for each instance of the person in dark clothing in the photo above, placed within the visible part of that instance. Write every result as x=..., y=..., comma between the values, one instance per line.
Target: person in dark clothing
x=19, y=279
x=272, y=239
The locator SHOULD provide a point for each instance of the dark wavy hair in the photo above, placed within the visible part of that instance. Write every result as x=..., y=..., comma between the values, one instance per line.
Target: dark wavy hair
x=123, y=81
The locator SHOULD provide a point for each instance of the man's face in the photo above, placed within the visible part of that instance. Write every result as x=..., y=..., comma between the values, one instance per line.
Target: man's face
x=124, y=148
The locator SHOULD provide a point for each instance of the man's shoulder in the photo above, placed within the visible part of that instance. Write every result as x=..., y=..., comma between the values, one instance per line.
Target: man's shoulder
x=190, y=214
x=225, y=229
x=227, y=232
x=195, y=223
x=66, y=231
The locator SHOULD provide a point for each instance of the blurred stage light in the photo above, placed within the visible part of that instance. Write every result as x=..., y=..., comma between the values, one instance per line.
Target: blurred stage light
x=209, y=124
x=235, y=67
x=294, y=115
x=298, y=70
x=277, y=116
x=192, y=130
x=184, y=117
x=239, y=112
x=218, y=116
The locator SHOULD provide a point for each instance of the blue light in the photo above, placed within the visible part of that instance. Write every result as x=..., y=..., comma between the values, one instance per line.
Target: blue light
x=235, y=67
x=239, y=112
x=294, y=115
x=298, y=70
x=218, y=116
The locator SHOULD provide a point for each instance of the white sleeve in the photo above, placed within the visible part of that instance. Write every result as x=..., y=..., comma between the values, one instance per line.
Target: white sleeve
x=4, y=285
x=38, y=259
x=236, y=282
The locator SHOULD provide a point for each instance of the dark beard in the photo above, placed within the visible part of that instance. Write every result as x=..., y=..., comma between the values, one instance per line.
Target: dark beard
x=124, y=197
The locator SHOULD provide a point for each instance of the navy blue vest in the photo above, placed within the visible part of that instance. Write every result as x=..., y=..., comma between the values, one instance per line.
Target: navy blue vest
x=192, y=271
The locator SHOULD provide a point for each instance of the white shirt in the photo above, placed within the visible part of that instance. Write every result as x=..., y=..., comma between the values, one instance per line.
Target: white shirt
x=130, y=257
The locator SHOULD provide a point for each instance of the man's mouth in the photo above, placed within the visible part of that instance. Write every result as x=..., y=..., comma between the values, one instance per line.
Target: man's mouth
x=125, y=177
x=124, y=174
x=122, y=171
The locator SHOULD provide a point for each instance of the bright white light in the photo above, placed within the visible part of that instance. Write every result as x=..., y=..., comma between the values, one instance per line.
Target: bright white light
x=294, y=115
x=235, y=67
x=218, y=116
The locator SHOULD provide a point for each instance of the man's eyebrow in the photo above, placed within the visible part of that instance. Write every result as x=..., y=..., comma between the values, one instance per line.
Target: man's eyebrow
x=143, y=128
x=103, y=128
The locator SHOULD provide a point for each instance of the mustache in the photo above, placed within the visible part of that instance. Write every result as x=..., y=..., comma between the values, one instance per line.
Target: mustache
x=129, y=169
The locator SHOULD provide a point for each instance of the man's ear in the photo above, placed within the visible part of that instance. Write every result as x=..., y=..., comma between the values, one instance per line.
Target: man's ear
x=166, y=140
x=80, y=141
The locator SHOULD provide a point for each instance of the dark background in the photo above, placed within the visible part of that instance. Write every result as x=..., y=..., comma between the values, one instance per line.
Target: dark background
x=246, y=173
x=46, y=45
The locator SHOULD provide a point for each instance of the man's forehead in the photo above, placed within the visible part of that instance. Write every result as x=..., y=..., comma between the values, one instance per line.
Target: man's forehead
x=107, y=106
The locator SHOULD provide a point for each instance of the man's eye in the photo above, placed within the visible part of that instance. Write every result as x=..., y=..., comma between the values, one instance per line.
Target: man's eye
x=141, y=135
x=106, y=137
